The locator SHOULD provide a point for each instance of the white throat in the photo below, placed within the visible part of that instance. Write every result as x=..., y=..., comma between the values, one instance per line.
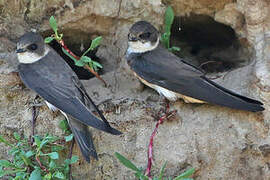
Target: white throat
x=139, y=47
x=29, y=57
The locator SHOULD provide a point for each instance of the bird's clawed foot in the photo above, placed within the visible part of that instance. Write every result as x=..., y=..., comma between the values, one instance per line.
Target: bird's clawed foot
x=37, y=102
x=165, y=111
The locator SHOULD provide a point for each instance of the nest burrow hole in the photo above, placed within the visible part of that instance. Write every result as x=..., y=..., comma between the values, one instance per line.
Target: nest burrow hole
x=208, y=44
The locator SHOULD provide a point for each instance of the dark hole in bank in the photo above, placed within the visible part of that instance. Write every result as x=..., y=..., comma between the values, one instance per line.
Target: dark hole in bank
x=208, y=44
x=78, y=43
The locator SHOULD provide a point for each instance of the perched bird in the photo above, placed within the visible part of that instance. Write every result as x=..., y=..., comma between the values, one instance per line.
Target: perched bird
x=44, y=71
x=174, y=78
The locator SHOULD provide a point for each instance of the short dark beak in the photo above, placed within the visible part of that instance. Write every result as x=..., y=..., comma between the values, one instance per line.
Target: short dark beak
x=132, y=38
x=20, y=50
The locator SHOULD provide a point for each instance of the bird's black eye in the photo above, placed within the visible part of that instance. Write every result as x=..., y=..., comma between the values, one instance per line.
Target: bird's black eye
x=145, y=35
x=32, y=47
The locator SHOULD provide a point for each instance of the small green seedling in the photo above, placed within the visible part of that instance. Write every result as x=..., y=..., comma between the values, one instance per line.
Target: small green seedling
x=38, y=161
x=83, y=60
x=138, y=172
x=65, y=128
x=54, y=26
x=165, y=37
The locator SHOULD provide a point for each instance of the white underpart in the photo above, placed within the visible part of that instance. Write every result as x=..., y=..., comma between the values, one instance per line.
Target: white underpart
x=30, y=57
x=139, y=47
x=53, y=108
x=171, y=96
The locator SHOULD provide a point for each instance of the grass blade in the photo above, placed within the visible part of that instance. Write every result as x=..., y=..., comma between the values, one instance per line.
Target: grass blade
x=126, y=162
x=162, y=171
x=186, y=174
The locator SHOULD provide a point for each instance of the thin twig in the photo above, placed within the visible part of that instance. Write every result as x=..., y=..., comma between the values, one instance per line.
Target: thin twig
x=70, y=156
x=34, y=118
x=95, y=73
x=119, y=9
x=208, y=62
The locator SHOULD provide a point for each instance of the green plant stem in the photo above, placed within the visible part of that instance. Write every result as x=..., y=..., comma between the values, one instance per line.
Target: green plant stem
x=168, y=41
x=24, y=160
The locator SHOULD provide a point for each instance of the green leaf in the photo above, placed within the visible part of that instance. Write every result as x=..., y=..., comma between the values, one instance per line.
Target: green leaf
x=3, y=140
x=69, y=137
x=97, y=64
x=43, y=143
x=48, y=39
x=63, y=125
x=186, y=174
x=53, y=24
x=74, y=159
x=35, y=175
x=162, y=171
x=126, y=162
x=165, y=39
x=86, y=59
x=169, y=16
x=21, y=175
x=37, y=141
x=29, y=154
x=57, y=148
x=51, y=139
x=174, y=48
x=79, y=63
x=141, y=176
x=69, y=55
x=11, y=172
x=94, y=67
x=48, y=176
x=16, y=136
x=53, y=155
x=59, y=175
x=52, y=165
x=95, y=43
x=6, y=163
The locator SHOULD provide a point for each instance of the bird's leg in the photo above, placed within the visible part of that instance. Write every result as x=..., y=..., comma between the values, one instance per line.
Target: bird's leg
x=167, y=105
x=166, y=111
x=37, y=102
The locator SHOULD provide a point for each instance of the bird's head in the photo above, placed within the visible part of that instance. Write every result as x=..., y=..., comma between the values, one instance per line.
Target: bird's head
x=142, y=37
x=30, y=48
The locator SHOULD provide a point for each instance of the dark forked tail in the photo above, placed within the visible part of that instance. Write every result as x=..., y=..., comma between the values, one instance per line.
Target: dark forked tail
x=83, y=138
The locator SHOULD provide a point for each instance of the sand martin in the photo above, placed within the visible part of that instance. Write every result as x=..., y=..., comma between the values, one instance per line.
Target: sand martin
x=173, y=77
x=45, y=72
